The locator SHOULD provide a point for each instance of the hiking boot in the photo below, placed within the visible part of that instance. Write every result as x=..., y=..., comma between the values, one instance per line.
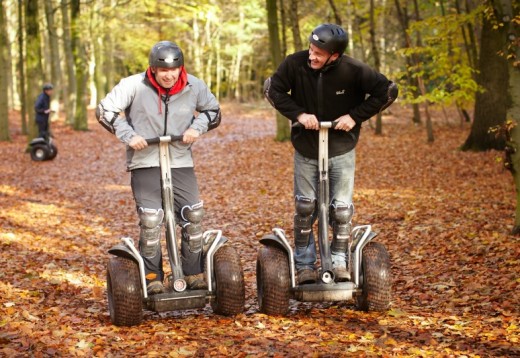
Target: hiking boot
x=196, y=282
x=306, y=276
x=341, y=274
x=155, y=287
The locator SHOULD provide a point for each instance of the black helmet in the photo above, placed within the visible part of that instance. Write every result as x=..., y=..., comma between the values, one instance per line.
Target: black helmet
x=47, y=86
x=329, y=37
x=166, y=54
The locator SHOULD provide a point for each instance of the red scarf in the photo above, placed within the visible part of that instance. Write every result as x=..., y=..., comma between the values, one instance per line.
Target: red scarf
x=177, y=87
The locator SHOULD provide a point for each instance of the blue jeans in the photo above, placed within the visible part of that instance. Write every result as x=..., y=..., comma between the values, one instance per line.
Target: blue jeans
x=341, y=188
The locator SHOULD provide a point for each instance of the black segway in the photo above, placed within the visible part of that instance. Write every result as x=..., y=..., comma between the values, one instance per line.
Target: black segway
x=43, y=148
x=368, y=262
x=126, y=283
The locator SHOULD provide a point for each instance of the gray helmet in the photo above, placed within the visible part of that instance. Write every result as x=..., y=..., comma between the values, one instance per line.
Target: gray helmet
x=329, y=37
x=47, y=86
x=166, y=54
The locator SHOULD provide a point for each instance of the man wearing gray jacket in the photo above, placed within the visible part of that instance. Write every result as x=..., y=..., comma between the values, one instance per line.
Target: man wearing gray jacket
x=164, y=100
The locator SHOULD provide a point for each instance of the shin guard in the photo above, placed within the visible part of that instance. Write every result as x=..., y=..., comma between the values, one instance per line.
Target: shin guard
x=341, y=220
x=303, y=220
x=150, y=235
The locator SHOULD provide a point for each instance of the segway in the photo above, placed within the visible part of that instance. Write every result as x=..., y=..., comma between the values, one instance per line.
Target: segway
x=43, y=148
x=126, y=282
x=367, y=261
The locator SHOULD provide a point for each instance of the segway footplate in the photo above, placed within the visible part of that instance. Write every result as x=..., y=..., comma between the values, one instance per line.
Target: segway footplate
x=319, y=292
x=171, y=301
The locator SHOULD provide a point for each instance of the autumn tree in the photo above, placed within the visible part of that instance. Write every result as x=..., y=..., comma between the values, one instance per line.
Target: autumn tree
x=283, y=131
x=33, y=61
x=4, y=73
x=81, y=68
x=490, y=104
x=377, y=59
x=22, y=92
x=509, y=15
x=69, y=83
x=295, y=26
x=412, y=82
x=53, y=53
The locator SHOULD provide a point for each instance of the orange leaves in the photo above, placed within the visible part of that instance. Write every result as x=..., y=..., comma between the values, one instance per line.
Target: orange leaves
x=444, y=216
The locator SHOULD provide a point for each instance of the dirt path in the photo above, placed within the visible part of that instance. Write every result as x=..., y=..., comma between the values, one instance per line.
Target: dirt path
x=445, y=217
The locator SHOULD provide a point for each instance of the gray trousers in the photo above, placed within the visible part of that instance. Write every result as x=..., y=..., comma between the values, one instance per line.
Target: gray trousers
x=146, y=188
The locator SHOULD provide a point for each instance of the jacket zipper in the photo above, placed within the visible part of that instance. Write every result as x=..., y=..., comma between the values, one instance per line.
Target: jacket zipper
x=320, y=96
x=166, y=99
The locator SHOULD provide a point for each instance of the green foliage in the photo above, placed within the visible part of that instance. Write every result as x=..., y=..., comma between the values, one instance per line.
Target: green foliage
x=210, y=33
x=441, y=61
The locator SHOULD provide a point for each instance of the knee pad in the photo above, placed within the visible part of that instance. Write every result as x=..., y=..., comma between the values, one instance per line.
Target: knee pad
x=341, y=220
x=303, y=220
x=192, y=228
x=150, y=221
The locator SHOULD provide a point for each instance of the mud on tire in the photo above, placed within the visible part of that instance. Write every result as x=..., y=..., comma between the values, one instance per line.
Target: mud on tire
x=229, y=282
x=273, y=280
x=376, y=278
x=125, y=298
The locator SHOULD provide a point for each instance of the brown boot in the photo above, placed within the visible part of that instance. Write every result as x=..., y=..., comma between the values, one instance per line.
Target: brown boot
x=341, y=274
x=155, y=287
x=196, y=282
x=306, y=276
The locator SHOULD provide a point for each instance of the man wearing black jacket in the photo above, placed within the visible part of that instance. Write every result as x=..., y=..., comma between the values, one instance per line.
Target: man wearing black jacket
x=42, y=107
x=323, y=84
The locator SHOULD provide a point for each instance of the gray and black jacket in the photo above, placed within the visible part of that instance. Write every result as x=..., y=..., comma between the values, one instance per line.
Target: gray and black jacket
x=149, y=114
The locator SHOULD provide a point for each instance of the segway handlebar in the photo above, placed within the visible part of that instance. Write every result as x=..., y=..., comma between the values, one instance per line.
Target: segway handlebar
x=322, y=124
x=166, y=138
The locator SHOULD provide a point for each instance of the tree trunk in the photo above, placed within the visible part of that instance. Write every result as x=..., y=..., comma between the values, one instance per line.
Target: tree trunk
x=337, y=17
x=402, y=15
x=283, y=21
x=108, y=58
x=511, y=29
x=468, y=46
x=283, y=130
x=471, y=32
x=54, y=57
x=514, y=114
x=81, y=64
x=4, y=76
x=491, y=105
x=358, y=20
x=377, y=61
x=21, y=69
x=33, y=61
x=293, y=16
x=69, y=91
x=415, y=81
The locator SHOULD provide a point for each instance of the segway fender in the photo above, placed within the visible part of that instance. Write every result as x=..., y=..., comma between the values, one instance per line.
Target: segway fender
x=273, y=240
x=38, y=140
x=121, y=250
x=278, y=239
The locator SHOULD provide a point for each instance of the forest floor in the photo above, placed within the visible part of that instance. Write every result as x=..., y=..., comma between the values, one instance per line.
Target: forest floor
x=445, y=217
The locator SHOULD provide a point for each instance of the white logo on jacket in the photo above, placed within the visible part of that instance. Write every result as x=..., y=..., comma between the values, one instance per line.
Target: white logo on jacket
x=340, y=92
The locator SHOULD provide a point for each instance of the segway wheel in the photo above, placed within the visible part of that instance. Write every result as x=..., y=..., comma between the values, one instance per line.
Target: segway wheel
x=273, y=280
x=125, y=298
x=53, y=151
x=229, y=281
x=39, y=152
x=376, y=278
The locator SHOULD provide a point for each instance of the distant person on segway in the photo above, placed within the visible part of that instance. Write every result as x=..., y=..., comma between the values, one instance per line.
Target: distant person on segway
x=42, y=107
x=163, y=100
x=324, y=84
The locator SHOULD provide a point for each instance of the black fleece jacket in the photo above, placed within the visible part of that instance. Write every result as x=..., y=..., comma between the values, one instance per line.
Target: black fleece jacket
x=347, y=86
